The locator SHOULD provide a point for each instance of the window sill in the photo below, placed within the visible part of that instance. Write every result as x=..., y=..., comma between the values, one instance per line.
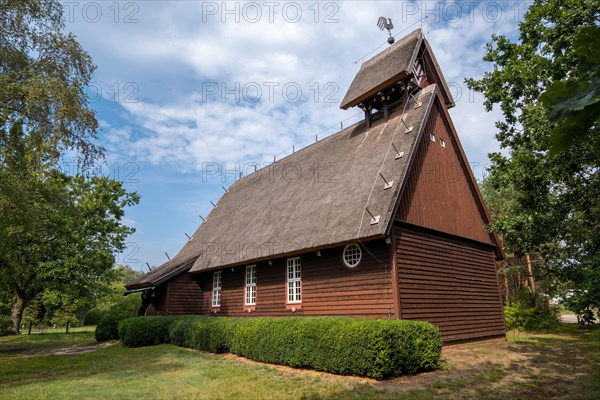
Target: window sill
x=249, y=308
x=215, y=310
x=294, y=306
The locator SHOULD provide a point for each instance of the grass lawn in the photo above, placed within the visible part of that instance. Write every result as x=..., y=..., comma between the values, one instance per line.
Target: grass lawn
x=562, y=364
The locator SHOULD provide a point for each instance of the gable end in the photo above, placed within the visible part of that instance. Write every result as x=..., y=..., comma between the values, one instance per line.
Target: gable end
x=440, y=191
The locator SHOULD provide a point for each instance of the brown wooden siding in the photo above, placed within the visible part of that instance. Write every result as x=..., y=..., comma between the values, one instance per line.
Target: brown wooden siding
x=328, y=287
x=366, y=291
x=449, y=282
x=180, y=295
x=439, y=193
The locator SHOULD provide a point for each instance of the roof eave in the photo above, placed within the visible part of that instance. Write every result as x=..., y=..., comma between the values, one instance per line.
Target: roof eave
x=398, y=195
x=290, y=254
x=129, y=291
x=183, y=266
x=346, y=104
x=138, y=286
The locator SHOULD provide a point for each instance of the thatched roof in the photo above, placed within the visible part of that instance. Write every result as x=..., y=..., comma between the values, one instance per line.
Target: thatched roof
x=392, y=65
x=312, y=199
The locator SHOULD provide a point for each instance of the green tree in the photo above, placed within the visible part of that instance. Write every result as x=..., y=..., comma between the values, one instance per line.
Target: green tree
x=44, y=73
x=112, y=298
x=555, y=210
x=55, y=229
x=62, y=232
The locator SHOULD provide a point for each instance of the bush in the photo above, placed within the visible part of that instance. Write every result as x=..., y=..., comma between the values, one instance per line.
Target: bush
x=108, y=326
x=5, y=324
x=145, y=331
x=212, y=334
x=108, y=323
x=531, y=313
x=93, y=317
x=373, y=348
x=366, y=347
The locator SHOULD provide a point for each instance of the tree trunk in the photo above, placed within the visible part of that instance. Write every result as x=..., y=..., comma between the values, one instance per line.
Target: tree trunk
x=81, y=317
x=530, y=273
x=519, y=286
x=17, y=314
x=506, y=288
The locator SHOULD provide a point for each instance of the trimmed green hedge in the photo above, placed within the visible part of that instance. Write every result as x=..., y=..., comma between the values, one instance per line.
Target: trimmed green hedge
x=145, y=331
x=348, y=346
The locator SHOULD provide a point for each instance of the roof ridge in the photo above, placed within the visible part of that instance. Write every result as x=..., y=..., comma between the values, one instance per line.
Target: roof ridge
x=388, y=49
x=318, y=142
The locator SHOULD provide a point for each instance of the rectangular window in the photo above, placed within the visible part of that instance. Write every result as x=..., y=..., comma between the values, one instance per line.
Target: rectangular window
x=432, y=137
x=250, y=285
x=216, y=292
x=294, y=289
x=442, y=143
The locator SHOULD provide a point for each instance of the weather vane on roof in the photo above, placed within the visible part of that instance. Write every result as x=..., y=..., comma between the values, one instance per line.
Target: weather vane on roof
x=382, y=23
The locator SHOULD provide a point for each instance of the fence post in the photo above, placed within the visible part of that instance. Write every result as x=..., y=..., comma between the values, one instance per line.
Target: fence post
x=68, y=323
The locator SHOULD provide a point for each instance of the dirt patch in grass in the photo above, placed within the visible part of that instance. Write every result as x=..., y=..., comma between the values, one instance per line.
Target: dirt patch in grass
x=43, y=344
x=558, y=365
x=18, y=350
x=79, y=349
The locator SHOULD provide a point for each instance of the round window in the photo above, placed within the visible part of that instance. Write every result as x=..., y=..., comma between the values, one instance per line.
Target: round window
x=352, y=255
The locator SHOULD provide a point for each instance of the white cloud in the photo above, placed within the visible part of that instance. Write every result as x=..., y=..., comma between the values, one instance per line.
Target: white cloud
x=176, y=48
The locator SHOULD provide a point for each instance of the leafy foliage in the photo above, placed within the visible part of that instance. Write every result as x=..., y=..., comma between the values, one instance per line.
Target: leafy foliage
x=579, y=301
x=349, y=346
x=111, y=297
x=93, y=316
x=575, y=102
x=59, y=232
x=531, y=313
x=5, y=323
x=114, y=307
x=554, y=210
x=43, y=76
x=108, y=326
x=56, y=231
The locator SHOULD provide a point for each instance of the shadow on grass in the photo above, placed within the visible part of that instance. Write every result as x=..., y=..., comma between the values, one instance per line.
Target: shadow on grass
x=115, y=362
x=27, y=345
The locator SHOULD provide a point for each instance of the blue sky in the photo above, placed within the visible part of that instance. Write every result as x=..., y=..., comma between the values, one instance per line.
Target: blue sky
x=190, y=93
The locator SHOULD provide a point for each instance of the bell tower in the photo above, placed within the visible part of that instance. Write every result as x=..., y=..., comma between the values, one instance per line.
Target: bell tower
x=393, y=75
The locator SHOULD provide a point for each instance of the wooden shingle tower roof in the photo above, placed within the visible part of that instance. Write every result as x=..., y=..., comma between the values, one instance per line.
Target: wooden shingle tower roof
x=411, y=55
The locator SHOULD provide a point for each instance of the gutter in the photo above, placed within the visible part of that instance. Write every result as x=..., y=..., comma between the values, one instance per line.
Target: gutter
x=138, y=290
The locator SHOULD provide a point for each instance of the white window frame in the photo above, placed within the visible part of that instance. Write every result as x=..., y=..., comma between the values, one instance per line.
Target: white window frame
x=432, y=136
x=250, y=292
x=351, y=245
x=442, y=143
x=217, y=288
x=294, y=280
